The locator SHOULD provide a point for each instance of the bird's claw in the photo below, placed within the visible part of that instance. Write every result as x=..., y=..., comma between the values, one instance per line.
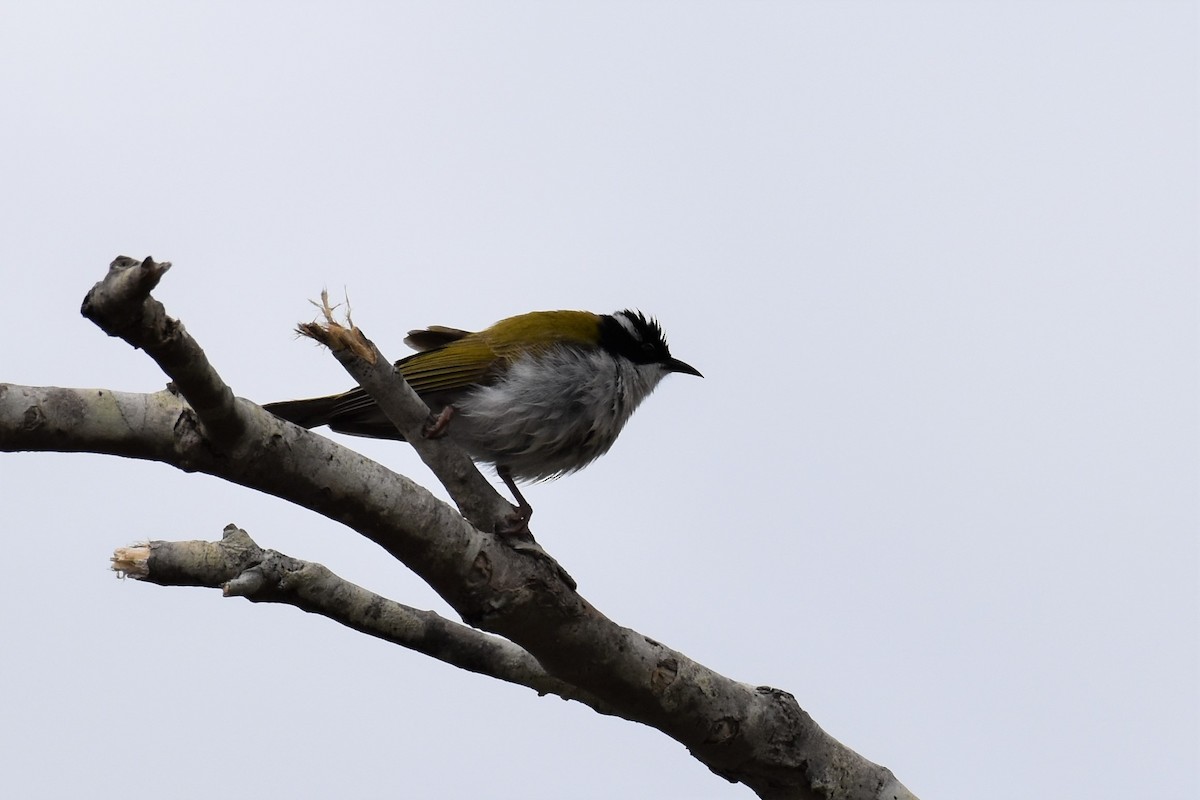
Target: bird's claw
x=435, y=427
x=516, y=524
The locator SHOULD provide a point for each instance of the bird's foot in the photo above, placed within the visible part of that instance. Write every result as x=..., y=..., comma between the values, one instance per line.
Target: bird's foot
x=516, y=524
x=435, y=427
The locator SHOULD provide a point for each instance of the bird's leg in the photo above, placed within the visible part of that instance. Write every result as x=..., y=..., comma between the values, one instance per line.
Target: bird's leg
x=435, y=427
x=517, y=533
x=518, y=524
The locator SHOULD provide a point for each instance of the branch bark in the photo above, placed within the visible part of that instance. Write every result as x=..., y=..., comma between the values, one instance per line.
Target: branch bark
x=240, y=568
x=756, y=735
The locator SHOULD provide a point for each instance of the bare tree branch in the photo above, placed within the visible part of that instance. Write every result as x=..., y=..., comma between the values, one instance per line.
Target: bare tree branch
x=240, y=568
x=758, y=736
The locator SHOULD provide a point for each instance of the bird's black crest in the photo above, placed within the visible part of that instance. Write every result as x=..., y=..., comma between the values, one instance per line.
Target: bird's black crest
x=635, y=336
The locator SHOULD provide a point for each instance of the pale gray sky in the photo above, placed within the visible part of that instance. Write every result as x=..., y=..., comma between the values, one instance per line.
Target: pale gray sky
x=937, y=262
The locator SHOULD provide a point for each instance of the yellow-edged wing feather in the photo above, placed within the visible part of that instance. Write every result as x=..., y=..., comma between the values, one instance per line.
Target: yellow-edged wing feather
x=476, y=357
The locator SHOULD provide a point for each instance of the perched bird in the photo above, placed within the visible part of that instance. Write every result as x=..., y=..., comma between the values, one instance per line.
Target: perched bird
x=537, y=395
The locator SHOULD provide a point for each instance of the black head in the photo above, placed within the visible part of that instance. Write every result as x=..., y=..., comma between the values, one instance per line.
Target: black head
x=640, y=339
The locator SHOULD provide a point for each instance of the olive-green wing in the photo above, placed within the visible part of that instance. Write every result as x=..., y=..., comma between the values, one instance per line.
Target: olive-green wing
x=459, y=364
x=470, y=358
x=541, y=330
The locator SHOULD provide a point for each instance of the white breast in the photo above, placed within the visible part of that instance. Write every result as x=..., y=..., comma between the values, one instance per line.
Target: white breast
x=553, y=413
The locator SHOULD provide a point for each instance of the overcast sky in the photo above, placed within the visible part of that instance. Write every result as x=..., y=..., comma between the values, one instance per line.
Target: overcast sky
x=937, y=262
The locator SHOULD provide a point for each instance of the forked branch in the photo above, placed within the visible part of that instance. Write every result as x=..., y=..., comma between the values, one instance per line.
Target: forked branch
x=758, y=736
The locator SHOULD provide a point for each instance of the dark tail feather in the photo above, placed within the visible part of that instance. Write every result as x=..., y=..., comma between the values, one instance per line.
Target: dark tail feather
x=309, y=413
x=351, y=412
x=433, y=337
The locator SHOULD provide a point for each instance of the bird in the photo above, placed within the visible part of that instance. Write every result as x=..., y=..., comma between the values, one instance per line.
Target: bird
x=537, y=396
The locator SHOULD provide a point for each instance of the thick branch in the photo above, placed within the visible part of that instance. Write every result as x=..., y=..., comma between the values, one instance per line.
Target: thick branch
x=288, y=462
x=760, y=737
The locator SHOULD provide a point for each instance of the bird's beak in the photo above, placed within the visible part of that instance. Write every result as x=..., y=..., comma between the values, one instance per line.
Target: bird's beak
x=675, y=365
